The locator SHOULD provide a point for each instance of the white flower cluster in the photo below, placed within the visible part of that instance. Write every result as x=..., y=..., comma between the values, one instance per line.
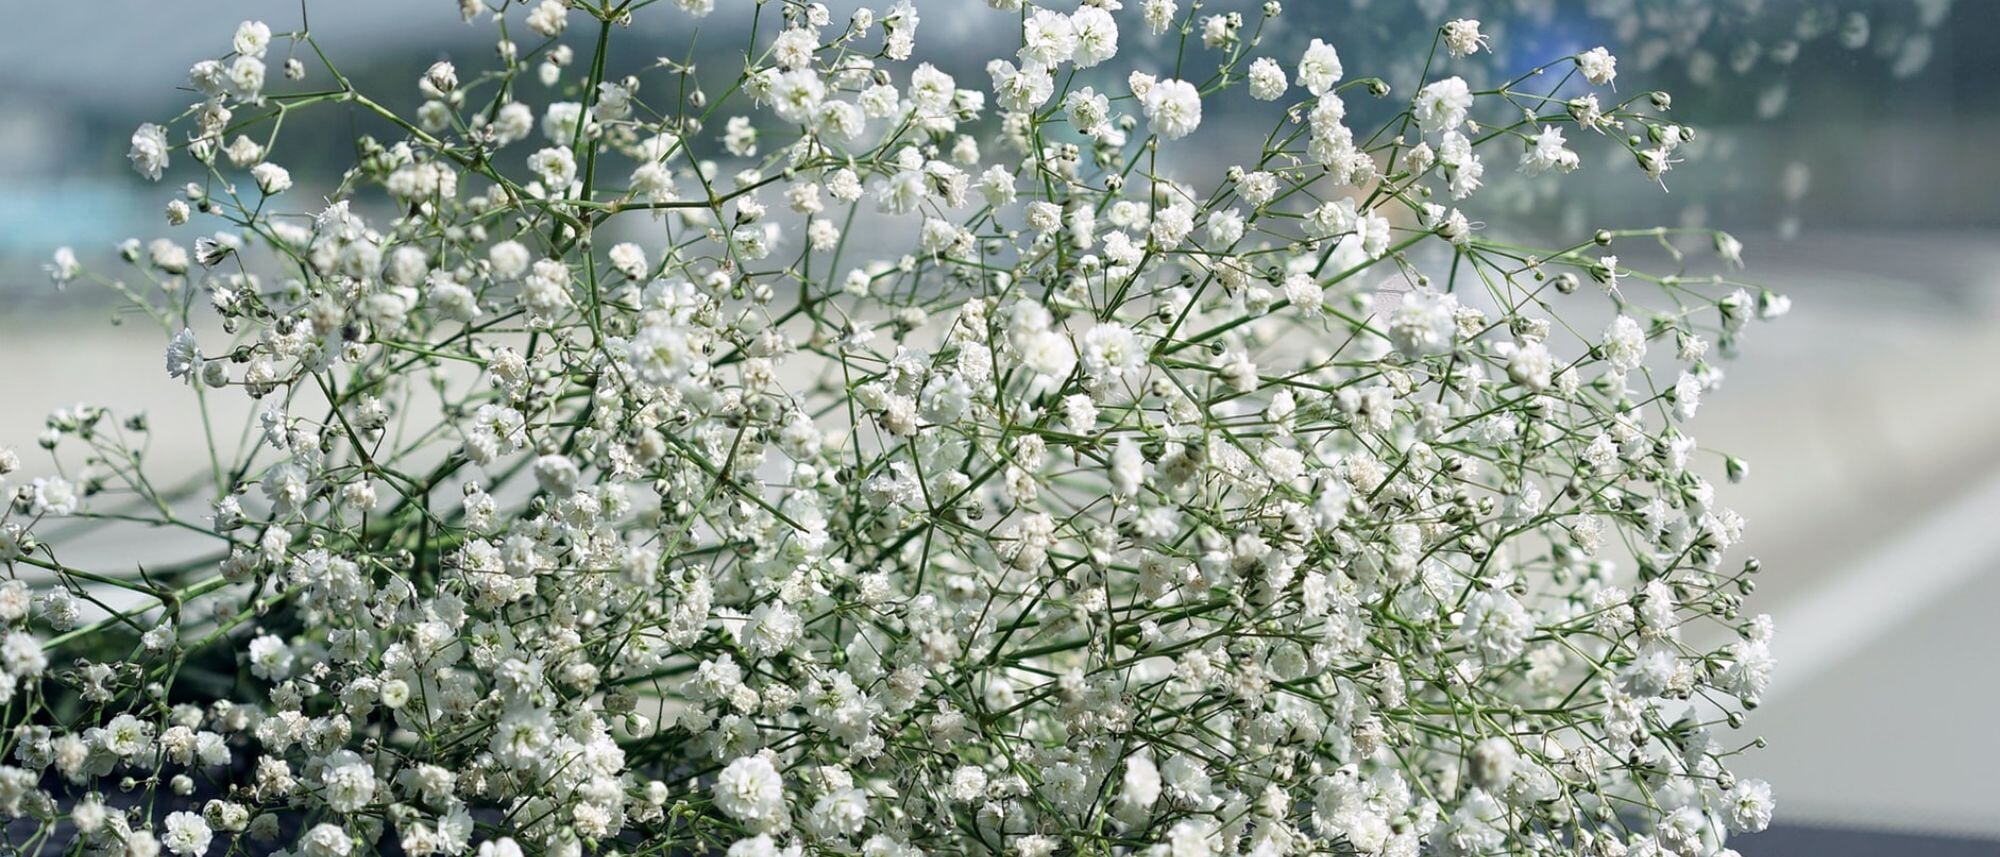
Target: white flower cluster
x=609, y=487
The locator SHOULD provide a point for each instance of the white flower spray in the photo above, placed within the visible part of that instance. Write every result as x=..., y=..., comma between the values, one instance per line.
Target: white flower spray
x=610, y=487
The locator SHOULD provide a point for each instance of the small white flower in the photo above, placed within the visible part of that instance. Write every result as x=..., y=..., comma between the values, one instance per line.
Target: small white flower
x=557, y=474
x=1750, y=806
x=1442, y=105
x=149, y=150
x=1425, y=324
x=246, y=78
x=548, y=18
x=187, y=834
x=930, y=89
x=794, y=47
x=751, y=791
x=440, y=79
x=1267, y=79
x=271, y=178
x=1598, y=66
x=21, y=655
x=54, y=495
x=252, y=38
x=1497, y=625
x=1530, y=365
x=1319, y=68
x=629, y=259
x=1111, y=353
x=1624, y=344
x=452, y=299
x=349, y=783
x=556, y=167
x=183, y=357
x=1048, y=38
x=968, y=782
x=1462, y=37
x=1173, y=107
x=1022, y=89
x=1546, y=152
x=270, y=658
x=509, y=259
x=1096, y=35
x=63, y=267
x=1127, y=468
x=328, y=840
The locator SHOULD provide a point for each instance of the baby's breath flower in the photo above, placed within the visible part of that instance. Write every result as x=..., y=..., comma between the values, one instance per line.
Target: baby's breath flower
x=149, y=150
x=555, y=166
x=252, y=38
x=1462, y=37
x=53, y=495
x=857, y=459
x=1546, y=152
x=1174, y=108
x=271, y=178
x=1598, y=66
x=750, y=790
x=1096, y=36
x=1267, y=79
x=182, y=356
x=548, y=18
x=1319, y=69
x=186, y=833
x=64, y=267
x=1443, y=105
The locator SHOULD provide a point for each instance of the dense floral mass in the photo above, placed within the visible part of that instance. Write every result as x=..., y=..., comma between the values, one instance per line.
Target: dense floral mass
x=609, y=487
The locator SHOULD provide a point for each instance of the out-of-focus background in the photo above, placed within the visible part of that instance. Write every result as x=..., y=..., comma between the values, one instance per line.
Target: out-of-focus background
x=1848, y=143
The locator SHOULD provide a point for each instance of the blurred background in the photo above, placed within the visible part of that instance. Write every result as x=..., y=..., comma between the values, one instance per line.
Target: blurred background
x=1847, y=143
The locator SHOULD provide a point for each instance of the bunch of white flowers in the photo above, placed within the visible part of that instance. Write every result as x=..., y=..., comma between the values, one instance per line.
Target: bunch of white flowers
x=607, y=487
